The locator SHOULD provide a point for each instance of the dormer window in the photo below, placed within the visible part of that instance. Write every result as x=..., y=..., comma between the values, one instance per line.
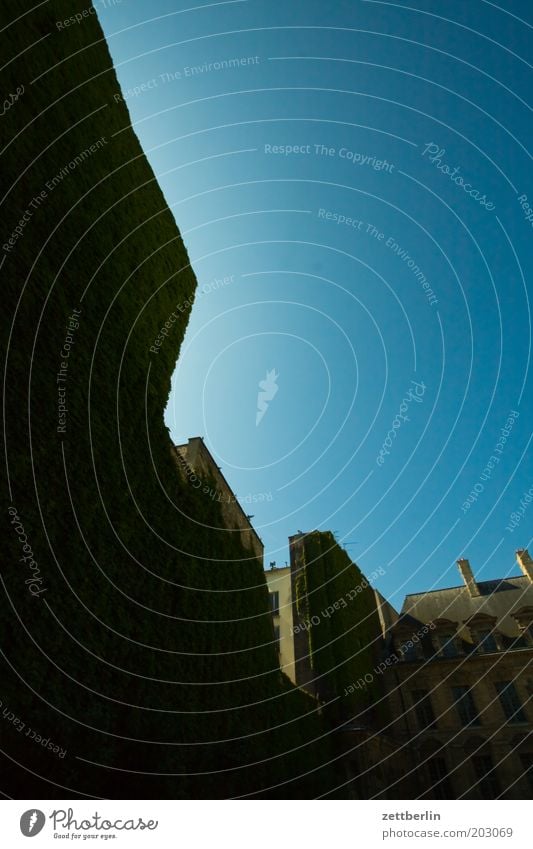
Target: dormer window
x=486, y=641
x=485, y=637
x=410, y=652
x=407, y=638
x=445, y=638
x=524, y=621
x=447, y=645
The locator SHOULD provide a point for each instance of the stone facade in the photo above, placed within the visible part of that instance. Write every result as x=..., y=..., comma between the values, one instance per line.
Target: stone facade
x=461, y=695
x=456, y=666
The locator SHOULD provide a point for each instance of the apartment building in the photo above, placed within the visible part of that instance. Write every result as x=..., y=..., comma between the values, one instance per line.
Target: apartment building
x=454, y=676
x=461, y=694
x=280, y=596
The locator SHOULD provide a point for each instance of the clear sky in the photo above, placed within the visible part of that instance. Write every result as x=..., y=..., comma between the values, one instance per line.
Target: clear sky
x=351, y=180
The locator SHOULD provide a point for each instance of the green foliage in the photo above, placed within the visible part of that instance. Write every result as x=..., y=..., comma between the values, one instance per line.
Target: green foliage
x=150, y=651
x=344, y=629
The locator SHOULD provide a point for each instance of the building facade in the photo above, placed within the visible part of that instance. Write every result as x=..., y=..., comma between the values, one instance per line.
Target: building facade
x=453, y=713
x=461, y=694
x=281, y=606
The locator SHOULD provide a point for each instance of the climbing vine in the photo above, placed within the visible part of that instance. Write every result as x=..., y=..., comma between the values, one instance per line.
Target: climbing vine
x=342, y=624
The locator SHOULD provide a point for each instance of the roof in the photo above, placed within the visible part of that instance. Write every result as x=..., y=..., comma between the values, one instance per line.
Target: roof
x=405, y=620
x=485, y=587
x=499, y=598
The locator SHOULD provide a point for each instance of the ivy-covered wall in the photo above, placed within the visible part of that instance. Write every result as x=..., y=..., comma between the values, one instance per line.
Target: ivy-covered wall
x=135, y=636
x=336, y=608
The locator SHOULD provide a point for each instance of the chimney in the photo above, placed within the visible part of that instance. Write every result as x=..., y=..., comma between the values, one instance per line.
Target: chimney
x=468, y=577
x=526, y=563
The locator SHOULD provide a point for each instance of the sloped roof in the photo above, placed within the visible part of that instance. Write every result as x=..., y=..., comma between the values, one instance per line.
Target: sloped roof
x=406, y=621
x=499, y=598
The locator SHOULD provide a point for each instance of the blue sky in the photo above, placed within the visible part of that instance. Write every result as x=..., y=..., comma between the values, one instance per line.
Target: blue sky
x=351, y=182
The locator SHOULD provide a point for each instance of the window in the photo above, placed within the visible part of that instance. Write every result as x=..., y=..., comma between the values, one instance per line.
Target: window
x=423, y=709
x=487, y=641
x=439, y=779
x=510, y=702
x=276, y=638
x=527, y=766
x=466, y=707
x=489, y=786
x=408, y=650
x=447, y=647
x=274, y=603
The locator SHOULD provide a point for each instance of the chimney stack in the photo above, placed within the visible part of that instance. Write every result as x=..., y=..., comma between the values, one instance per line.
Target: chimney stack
x=468, y=577
x=526, y=563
